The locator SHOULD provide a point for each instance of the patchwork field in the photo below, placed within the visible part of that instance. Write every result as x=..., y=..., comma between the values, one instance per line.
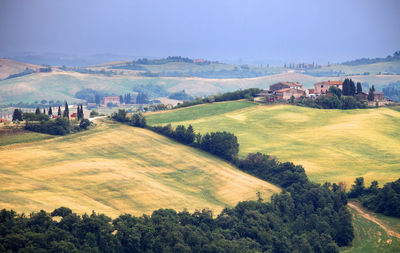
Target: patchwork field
x=116, y=169
x=332, y=145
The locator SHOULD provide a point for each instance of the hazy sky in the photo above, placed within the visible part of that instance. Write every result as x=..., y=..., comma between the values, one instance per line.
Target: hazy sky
x=266, y=30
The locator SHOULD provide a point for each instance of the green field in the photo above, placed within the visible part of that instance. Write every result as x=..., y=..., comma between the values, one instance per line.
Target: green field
x=370, y=237
x=13, y=136
x=332, y=145
x=115, y=169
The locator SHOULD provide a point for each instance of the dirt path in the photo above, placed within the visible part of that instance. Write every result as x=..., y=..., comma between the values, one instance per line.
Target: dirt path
x=373, y=219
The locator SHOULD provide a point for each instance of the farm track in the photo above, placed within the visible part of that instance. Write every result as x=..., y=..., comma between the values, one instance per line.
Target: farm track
x=373, y=219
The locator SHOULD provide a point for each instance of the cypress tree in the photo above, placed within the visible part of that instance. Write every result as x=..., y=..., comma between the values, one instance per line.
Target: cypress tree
x=50, y=111
x=82, y=115
x=359, y=88
x=59, y=111
x=352, y=90
x=66, y=111
x=371, y=94
x=78, y=112
x=345, y=89
x=44, y=110
x=37, y=112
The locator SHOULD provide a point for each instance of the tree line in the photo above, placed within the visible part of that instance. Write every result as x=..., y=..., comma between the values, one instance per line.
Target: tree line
x=42, y=123
x=228, y=96
x=307, y=218
x=384, y=200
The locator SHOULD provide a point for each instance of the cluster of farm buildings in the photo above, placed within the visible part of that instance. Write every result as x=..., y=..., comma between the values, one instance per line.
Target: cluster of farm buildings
x=285, y=90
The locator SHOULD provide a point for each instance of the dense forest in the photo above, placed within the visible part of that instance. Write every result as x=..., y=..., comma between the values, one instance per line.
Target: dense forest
x=384, y=200
x=306, y=218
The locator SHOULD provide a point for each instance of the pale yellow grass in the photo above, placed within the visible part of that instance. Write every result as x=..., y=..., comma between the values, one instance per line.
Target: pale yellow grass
x=119, y=169
x=332, y=145
x=9, y=67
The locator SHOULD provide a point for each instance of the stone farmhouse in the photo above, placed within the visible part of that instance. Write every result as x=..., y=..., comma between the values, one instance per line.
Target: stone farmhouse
x=283, y=91
x=323, y=87
x=114, y=100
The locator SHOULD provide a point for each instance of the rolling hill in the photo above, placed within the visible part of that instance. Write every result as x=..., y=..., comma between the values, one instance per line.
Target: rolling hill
x=115, y=169
x=62, y=85
x=332, y=145
x=10, y=67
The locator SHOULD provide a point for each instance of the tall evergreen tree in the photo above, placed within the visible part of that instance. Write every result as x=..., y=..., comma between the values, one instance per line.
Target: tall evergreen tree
x=44, y=110
x=359, y=88
x=345, y=89
x=82, y=115
x=59, y=111
x=37, y=112
x=371, y=94
x=50, y=111
x=352, y=90
x=190, y=135
x=78, y=112
x=66, y=111
x=17, y=115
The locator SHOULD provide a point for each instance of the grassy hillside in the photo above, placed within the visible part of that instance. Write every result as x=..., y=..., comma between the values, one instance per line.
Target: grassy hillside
x=13, y=136
x=116, y=169
x=373, y=69
x=332, y=145
x=61, y=85
x=373, y=232
x=10, y=67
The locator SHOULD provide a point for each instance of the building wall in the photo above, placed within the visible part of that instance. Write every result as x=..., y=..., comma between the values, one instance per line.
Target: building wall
x=323, y=88
x=114, y=100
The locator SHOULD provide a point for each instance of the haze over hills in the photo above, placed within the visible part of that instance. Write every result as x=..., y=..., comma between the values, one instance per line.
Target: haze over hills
x=200, y=126
x=174, y=74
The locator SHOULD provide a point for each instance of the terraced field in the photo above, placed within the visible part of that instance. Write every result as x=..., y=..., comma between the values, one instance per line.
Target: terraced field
x=115, y=169
x=332, y=145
